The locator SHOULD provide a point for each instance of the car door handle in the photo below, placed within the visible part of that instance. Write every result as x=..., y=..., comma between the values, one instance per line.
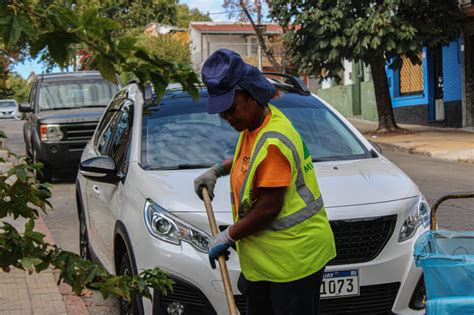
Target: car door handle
x=96, y=189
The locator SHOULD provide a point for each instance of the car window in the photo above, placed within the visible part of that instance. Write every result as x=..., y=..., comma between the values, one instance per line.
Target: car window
x=113, y=107
x=121, y=139
x=75, y=94
x=7, y=104
x=180, y=134
x=105, y=137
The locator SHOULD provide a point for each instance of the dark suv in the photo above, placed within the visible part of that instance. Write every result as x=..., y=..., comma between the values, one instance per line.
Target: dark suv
x=62, y=114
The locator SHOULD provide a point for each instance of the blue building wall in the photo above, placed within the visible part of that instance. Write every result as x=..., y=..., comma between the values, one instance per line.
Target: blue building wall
x=410, y=100
x=420, y=108
x=452, y=90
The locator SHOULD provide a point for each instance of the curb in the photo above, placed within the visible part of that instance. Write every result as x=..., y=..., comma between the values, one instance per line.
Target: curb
x=397, y=148
x=74, y=304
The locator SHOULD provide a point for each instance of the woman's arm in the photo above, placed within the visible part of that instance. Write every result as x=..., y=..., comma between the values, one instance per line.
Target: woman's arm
x=227, y=166
x=265, y=210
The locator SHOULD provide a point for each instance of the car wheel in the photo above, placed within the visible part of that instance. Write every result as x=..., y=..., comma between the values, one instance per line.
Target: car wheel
x=46, y=174
x=126, y=308
x=84, y=250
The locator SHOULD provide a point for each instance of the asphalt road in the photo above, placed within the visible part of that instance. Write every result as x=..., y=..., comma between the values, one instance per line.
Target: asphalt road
x=435, y=178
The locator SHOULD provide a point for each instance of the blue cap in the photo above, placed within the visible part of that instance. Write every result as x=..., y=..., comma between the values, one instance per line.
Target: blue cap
x=223, y=72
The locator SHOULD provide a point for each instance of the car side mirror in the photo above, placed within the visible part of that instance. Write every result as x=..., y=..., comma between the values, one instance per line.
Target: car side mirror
x=24, y=108
x=100, y=169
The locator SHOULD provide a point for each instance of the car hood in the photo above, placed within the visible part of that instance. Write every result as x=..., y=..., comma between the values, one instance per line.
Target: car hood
x=70, y=115
x=342, y=183
x=8, y=109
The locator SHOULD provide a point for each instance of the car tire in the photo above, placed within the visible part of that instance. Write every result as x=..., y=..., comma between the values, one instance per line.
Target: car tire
x=84, y=250
x=46, y=173
x=135, y=306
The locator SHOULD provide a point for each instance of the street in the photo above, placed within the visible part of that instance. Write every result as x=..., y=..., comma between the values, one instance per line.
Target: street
x=434, y=177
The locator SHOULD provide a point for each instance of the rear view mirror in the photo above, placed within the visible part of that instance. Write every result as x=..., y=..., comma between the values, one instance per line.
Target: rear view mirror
x=24, y=108
x=100, y=169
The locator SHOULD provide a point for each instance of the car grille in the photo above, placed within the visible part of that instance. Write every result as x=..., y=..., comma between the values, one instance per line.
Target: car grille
x=373, y=299
x=78, y=132
x=361, y=240
x=194, y=301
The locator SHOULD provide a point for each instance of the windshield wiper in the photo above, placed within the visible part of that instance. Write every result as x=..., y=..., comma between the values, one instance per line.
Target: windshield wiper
x=56, y=108
x=92, y=106
x=180, y=167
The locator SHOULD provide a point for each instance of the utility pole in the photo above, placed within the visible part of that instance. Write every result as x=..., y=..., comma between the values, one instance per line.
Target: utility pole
x=259, y=44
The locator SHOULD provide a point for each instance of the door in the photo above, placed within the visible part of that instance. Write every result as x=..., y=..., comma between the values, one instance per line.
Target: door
x=438, y=84
x=113, y=140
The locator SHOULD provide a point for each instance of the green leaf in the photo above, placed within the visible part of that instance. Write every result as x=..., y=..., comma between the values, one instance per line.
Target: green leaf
x=106, y=68
x=12, y=30
x=29, y=263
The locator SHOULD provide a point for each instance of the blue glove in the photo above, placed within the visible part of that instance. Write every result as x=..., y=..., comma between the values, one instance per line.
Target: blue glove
x=219, y=246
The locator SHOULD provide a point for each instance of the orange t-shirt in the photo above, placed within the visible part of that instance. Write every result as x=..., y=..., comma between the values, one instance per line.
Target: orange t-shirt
x=273, y=171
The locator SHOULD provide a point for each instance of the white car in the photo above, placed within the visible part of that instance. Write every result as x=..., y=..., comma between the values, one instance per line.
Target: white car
x=8, y=108
x=138, y=210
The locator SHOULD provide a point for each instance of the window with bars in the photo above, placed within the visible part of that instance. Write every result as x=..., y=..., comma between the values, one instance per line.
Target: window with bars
x=411, y=77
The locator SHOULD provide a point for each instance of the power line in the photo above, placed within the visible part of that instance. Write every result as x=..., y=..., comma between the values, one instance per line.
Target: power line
x=225, y=12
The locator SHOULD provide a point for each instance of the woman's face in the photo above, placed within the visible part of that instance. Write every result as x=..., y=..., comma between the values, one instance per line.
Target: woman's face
x=243, y=112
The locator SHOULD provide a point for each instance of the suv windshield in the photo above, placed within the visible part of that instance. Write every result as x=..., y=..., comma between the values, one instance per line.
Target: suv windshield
x=180, y=134
x=7, y=104
x=75, y=94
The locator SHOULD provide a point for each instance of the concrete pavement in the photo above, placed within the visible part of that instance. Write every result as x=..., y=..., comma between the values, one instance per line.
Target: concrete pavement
x=440, y=143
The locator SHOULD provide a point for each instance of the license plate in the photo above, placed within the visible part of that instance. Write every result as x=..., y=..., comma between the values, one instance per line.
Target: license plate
x=340, y=283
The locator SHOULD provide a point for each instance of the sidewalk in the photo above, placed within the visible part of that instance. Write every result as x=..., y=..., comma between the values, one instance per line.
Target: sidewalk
x=441, y=143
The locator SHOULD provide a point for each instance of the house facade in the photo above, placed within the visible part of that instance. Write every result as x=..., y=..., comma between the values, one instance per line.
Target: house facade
x=429, y=94
x=207, y=37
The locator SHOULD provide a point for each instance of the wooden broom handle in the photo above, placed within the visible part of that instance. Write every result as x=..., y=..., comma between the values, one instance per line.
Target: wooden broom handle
x=222, y=264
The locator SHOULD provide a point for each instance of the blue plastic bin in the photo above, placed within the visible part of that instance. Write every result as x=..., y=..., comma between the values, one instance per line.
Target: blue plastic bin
x=447, y=260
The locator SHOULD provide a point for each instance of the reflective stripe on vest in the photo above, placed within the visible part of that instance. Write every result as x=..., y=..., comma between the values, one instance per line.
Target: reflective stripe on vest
x=312, y=205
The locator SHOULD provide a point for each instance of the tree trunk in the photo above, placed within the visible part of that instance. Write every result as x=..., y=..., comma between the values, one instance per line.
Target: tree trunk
x=266, y=50
x=382, y=95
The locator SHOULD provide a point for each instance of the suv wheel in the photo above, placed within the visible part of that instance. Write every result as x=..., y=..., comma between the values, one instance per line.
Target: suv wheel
x=126, y=308
x=83, y=237
x=46, y=174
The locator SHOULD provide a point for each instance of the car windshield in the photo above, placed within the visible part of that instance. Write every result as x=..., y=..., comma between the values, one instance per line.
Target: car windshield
x=180, y=134
x=75, y=94
x=7, y=104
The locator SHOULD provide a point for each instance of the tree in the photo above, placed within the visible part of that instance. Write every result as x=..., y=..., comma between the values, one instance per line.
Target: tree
x=56, y=28
x=19, y=87
x=245, y=10
x=21, y=195
x=323, y=33
x=185, y=15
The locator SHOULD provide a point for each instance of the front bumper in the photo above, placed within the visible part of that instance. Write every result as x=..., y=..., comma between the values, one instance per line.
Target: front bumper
x=61, y=155
x=387, y=282
x=7, y=114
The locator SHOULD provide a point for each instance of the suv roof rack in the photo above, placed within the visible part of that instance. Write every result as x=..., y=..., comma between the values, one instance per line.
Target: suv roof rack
x=289, y=82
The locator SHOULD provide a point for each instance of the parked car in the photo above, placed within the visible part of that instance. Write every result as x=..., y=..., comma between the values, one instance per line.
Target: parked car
x=8, y=108
x=137, y=207
x=62, y=114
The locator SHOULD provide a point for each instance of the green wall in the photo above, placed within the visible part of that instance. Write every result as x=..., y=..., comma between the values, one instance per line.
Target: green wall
x=339, y=97
x=368, y=103
x=345, y=99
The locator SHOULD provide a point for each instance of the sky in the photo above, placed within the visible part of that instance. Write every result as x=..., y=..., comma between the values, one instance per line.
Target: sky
x=211, y=6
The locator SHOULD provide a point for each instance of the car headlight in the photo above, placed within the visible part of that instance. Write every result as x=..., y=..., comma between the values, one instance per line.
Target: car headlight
x=419, y=215
x=51, y=133
x=169, y=228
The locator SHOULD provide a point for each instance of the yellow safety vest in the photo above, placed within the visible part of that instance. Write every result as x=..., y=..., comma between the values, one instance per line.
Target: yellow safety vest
x=299, y=241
